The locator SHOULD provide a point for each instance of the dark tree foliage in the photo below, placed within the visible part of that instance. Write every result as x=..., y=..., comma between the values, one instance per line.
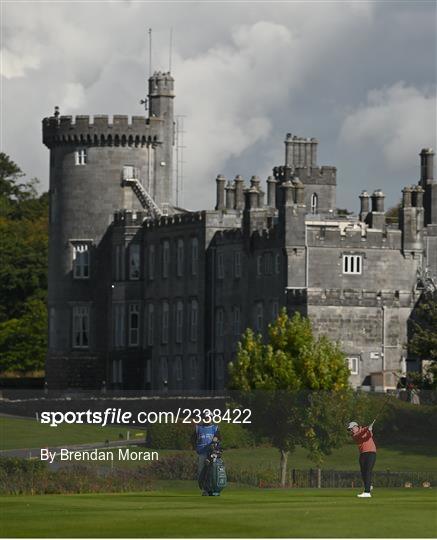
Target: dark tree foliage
x=424, y=329
x=23, y=269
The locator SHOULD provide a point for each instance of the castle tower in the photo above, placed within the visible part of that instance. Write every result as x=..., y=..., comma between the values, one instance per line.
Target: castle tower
x=86, y=188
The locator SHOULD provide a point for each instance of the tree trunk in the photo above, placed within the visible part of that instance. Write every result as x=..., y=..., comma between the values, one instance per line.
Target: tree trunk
x=319, y=477
x=284, y=456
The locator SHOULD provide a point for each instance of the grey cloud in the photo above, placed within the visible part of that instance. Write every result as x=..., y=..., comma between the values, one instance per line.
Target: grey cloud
x=246, y=73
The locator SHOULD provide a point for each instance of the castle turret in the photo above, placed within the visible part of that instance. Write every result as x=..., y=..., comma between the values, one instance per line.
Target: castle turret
x=88, y=158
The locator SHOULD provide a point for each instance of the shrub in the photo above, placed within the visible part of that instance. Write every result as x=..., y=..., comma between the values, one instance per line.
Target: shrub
x=399, y=421
x=177, y=467
x=179, y=436
x=20, y=476
x=170, y=436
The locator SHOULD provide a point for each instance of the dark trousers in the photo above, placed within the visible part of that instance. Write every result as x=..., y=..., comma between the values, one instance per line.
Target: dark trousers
x=367, y=461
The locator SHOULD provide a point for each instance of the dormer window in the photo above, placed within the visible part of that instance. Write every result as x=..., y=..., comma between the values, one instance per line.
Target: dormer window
x=81, y=156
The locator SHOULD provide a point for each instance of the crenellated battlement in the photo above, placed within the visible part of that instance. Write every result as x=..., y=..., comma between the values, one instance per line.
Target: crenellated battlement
x=100, y=130
x=361, y=297
x=352, y=235
x=325, y=175
x=175, y=220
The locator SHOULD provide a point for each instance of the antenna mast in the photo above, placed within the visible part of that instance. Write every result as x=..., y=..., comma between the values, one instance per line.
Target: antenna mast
x=179, y=149
x=150, y=52
x=170, y=49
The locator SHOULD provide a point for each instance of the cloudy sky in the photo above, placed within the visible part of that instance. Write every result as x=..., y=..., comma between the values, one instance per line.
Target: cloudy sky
x=359, y=76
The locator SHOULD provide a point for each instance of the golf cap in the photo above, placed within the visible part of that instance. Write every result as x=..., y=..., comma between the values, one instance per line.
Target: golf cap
x=352, y=425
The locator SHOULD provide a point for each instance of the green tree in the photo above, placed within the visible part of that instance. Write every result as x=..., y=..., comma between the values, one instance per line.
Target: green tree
x=23, y=264
x=296, y=386
x=424, y=329
x=23, y=269
x=392, y=214
x=23, y=341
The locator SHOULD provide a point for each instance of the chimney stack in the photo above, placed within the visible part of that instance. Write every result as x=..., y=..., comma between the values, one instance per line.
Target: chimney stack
x=220, y=181
x=364, y=205
x=239, y=195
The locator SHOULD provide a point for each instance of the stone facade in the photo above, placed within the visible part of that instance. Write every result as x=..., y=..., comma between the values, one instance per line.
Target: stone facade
x=157, y=301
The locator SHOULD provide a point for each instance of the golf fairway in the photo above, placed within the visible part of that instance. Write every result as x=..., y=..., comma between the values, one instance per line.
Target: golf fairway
x=177, y=510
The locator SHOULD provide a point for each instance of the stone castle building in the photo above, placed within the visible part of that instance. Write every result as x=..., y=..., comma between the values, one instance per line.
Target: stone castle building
x=147, y=296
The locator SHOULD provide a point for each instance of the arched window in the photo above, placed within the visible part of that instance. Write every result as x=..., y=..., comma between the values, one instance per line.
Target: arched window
x=194, y=316
x=314, y=203
x=220, y=322
x=164, y=332
x=150, y=324
x=165, y=258
x=194, y=256
x=179, y=321
x=180, y=258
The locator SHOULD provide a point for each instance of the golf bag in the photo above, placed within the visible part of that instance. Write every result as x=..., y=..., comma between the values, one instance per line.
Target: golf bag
x=213, y=479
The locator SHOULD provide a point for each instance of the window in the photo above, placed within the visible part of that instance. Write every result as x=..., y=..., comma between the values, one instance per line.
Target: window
x=164, y=369
x=81, y=260
x=314, y=203
x=220, y=322
x=119, y=263
x=81, y=156
x=134, y=261
x=259, y=265
x=237, y=264
x=277, y=263
x=148, y=372
x=352, y=264
x=352, y=364
x=219, y=367
x=117, y=370
x=268, y=264
x=118, y=312
x=194, y=256
x=237, y=321
x=165, y=258
x=194, y=316
x=220, y=266
x=151, y=262
x=150, y=324
x=134, y=324
x=179, y=321
x=259, y=317
x=178, y=368
x=164, y=323
x=275, y=310
x=180, y=258
x=193, y=367
x=81, y=324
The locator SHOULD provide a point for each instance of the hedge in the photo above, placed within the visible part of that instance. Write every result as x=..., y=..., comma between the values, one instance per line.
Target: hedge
x=178, y=436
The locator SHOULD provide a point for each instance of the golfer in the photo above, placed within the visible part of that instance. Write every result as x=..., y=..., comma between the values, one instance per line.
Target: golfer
x=363, y=436
x=205, y=433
